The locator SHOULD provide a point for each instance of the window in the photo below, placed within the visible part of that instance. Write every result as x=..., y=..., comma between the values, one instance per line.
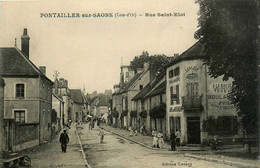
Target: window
x=171, y=94
x=170, y=73
x=160, y=99
x=19, y=116
x=177, y=95
x=141, y=87
x=142, y=104
x=126, y=74
x=192, y=89
x=177, y=71
x=20, y=90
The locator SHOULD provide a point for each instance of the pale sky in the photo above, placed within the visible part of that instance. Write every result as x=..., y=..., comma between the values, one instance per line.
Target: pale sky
x=88, y=51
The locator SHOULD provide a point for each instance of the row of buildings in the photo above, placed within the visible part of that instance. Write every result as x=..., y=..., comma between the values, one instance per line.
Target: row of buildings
x=35, y=108
x=181, y=96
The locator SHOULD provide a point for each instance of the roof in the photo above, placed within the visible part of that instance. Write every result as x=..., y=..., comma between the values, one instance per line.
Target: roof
x=57, y=97
x=104, y=101
x=14, y=63
x=77, y=96
x=160, y=89
x=193, y=53
x=131, y=82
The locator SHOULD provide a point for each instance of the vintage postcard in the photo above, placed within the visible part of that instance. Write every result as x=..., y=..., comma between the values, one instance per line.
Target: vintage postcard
x=125, y=84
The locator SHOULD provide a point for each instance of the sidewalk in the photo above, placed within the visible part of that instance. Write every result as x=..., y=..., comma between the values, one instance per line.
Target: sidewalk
x=238, y=162
x=50, y=155
x=147, y=141
x=201, y=153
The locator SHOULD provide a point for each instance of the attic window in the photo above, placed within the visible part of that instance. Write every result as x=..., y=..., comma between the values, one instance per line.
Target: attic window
x=141, y=87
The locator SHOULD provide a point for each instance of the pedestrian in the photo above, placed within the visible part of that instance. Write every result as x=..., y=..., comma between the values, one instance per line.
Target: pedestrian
x=160, y=139
x=93, y=124
x=90, y=124
x=64, y=139
x=98, y=121
x=101, y=134
x=131, y=132
x=136, y=132
x=178, y=137
x=173, y=140
x=155, y=139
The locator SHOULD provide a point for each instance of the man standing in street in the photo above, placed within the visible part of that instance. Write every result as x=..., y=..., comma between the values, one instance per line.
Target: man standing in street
x=64, y=139
x=173, y=139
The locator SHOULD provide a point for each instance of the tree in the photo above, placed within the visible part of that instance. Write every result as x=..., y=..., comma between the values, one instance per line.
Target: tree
x=227, y=31
x=158, y=60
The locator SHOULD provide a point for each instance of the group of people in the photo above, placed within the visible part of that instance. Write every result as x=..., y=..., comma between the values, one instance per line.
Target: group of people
x=157, y=139
x=132, y=132
x=175, y=139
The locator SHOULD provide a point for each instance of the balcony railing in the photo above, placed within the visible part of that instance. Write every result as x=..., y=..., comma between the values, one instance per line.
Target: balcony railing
x=192, y=103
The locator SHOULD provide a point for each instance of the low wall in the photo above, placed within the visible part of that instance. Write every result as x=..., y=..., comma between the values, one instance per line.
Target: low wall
x=26, y=145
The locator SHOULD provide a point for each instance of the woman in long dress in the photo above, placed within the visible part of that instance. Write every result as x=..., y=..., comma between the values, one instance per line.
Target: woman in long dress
x=155, y=139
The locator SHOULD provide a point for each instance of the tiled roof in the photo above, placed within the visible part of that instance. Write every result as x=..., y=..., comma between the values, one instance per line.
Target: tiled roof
x=143, y=92
x=158, y=90
x=77, y=96
x=193, y=53
x=14, y=63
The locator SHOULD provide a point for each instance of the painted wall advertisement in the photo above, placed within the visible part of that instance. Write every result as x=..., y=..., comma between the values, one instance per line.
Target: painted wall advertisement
x=218, y=98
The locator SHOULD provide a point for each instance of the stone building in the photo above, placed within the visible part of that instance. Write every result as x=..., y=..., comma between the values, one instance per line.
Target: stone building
x=28, y=98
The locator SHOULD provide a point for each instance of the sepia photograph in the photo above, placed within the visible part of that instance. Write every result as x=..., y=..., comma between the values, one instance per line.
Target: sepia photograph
x=129, y=84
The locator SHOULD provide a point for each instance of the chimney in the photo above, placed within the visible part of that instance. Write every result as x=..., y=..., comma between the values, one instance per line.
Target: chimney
x=131, y=74
x=43, y=69
x=25, y=43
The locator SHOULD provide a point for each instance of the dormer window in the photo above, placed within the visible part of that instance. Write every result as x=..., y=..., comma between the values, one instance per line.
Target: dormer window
x=20, y=90
x=141, y=87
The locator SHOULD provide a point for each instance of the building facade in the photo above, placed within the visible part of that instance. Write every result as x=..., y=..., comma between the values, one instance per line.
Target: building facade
x=28, y=98
x=193, y=96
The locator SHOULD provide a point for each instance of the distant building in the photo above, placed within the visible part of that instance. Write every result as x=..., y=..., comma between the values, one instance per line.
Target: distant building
x=57, y=113
x=28, y=98
x=78, y=105
x=102, y=107
x=61, y=89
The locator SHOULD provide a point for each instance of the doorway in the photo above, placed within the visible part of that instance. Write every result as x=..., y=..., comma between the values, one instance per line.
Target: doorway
x=193, y=130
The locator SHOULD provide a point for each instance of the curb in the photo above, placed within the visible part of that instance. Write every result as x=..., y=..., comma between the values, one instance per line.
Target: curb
x=231, y=163
x=82, y=151
x=149, y=147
